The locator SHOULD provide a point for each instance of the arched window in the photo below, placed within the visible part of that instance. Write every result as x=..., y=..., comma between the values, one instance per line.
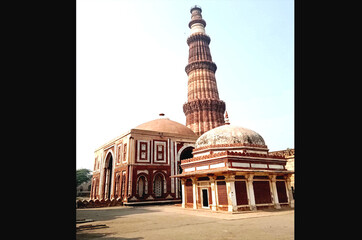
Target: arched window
x=141, y=186
x=96, y=192
x=123, y=184
x=117, y=186
x=158, y=185
x=95, y=189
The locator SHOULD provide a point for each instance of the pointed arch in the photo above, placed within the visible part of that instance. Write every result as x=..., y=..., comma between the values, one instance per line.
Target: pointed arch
x=117, y=186
x=159, y=184
x=107, y=172
x=184, y=153
x=142, y=185
x=184, y=148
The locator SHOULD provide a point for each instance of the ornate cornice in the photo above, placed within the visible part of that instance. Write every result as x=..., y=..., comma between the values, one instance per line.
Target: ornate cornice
x=205, y=104
x=230, y=153
x=203, y=157
x=202, y=21
x=198, y=36
x=231, y=145
x=283, y=153
x=200, y=65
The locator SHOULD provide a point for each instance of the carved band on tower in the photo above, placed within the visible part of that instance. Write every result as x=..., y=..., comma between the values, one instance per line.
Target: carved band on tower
x=204, y=110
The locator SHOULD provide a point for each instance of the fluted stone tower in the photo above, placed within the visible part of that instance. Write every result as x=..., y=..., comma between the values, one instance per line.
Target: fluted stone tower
x=204, y=110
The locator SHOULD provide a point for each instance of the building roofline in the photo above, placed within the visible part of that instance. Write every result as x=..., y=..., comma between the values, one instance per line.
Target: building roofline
x=147, y=132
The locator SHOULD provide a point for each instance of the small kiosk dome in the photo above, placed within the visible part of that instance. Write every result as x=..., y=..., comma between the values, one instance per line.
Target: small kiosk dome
x=228, y=134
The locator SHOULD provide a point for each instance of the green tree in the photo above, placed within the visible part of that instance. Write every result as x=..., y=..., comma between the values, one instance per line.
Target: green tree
x=83, y=175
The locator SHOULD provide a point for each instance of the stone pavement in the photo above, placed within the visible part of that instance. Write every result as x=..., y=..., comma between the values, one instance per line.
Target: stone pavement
x=174, y=222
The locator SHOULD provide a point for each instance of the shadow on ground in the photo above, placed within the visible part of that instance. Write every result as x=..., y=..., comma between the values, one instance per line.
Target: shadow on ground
x=109, y=213
x=276, y=210
x=104, y=236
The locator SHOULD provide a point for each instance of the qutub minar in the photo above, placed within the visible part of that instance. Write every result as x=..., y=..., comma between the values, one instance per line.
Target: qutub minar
x=207, y=164
x=204, y=110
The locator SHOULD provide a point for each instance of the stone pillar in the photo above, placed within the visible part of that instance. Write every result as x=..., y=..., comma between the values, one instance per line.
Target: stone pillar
x=250, y=190
x=194, y=191
x=274, y=191
x=289, y=191
x=183, y=181
x=230, y=188
x=213, y=192
x=131, y=151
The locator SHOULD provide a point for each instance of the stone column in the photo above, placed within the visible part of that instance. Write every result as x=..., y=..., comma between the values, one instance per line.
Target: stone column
x=183, y=181
x=194, y=191
x=289, y=191
x=274, y=191
x=230, y=187
x=131, y=150
x=250, y=190
x=213, y=192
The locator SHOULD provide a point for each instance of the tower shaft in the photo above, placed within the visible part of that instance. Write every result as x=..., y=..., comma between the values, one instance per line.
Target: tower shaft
x=203, y=109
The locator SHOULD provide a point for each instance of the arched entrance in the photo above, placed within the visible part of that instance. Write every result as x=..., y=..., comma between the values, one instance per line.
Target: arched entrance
x=185, y=154
x=107, y=176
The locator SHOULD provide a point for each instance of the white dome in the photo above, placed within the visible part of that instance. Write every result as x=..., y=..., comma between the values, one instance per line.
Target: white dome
x=228, y=134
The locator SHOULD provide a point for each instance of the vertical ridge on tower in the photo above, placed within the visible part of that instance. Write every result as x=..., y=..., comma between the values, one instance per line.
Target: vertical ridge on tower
x=203, y=109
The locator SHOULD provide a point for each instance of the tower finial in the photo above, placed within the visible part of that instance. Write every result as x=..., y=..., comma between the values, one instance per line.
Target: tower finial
x=197, y=24
x=195, y=7
x=227, y=122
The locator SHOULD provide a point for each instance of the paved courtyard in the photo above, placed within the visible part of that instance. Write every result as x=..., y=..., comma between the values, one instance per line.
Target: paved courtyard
x=173, y=222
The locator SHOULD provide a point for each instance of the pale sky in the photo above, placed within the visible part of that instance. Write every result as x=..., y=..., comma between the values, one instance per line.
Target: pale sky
x=131, y=58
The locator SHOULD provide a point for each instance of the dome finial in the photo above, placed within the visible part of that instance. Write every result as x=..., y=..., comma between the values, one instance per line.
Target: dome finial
x=162, y=116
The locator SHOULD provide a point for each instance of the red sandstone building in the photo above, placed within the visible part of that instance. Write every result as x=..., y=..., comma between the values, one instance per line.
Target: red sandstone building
x=207, y=163
x=137, y=165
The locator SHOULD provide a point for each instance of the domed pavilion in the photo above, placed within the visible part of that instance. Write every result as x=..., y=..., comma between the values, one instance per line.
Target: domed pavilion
x=232, y=170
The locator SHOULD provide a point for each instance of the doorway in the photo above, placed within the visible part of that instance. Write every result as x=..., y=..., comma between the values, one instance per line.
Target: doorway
x=205, y=198
x=186, y=153
x=107, y=176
